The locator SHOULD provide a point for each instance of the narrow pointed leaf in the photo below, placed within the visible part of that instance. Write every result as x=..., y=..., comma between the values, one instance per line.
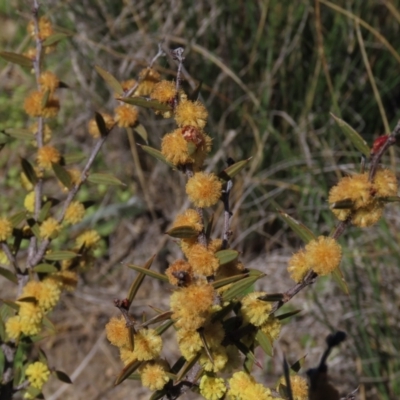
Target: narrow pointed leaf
x=226, y=256
x=10, y=304
x=104, y=179
x=239, y=288
x=272, y=297
x=228, y=173
x=63, y=377
x=141, y=131
x=265, y=343
x=6, y=273
x=45, y=268
x=339, y=279
x=209, y=227
x=187, y=367
x=61, y=255
x=301, y=230
x=110, y=80
x=144, y=102
x=45, y=98
x=28, y=299
x=159, y=394
x=17, y=218
x=34, y=227
x=191, y=148
x=54, y=39
x=45, y=211
x=287, y=315
x=127, y=371
x=157, y=154
x=62, y=175
x=183, y=232
x=16, y=58
x=205, y=346
x=138, y=281
x=391, y=199
x=29, y=171
x=162, y=328
x=358, y=142
x=48, y=324
x=158, y=318
x=101, y=124
x=134, y=377
x=149, y=272
x=248, y=353
x=195, y=94
x=73, y=158
x=227, y=281
x=298, y=364
x=19, y=133
x=342, y=204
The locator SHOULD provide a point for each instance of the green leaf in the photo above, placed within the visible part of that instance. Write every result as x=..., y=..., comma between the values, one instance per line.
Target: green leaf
x=48, y=324
x=183, y=232
x=162, y=328
x=2, y=338
x=187, y=367
x=146, y=103
x=110, y=80
x=17, y=218
x=298, y=364
x=60, y=255
x=156, y=154
x=104, y=179
x=358, y=142
x=28, y=299
x=391, y=199
x=227, y=281
x=301, y=230
x=226, y=256
x=19, y=133
x=141, y=131
x=159, y=394
x=149, y=272
x=342, y=204
x=10, y=304
x=138, y=281
x=45, y=98
x=45, y=268
x=287, y=315
x=45, y=211
x=265, y=342
x=228, y=173
x=239, y=288
x=54, y=39
x=339, y=279
x=62, y=175
x=272, y=297
x=127, y=371
x=73, y=158
x=16, y=58
x=29, y=171
x=6, y=273
x=63, y=377
x=166, y=315
x=191, y=148
x=101, y=124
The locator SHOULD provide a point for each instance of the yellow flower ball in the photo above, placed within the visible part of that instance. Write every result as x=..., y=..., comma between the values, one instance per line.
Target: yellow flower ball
x=33, y=104
x=49, y=81
x=299, y=387
x=174, y=148
x=179, y=272
x=13, y=327
x=385, y=183
x=88, y=238
x=154, y=375
x=219, y=359
x=126, y=115
x=323, y=255
x=117, y=332
x=148, y=345
x=368, y=216
x=298, y=266
x=93, y=128
x=164, y=91
x=74, y=213
x=189, y=342
x=202, y=260
x=46, y=156
x=29, y=202
x=6, y=229
x=45, y=28
x=191, y=113
x=50, y=228
x=37, y=374
x=204, y=190
x=46, y=292
x=272, y=328
x=212, y=388
x=255, y=311
x=148, y=79
x=189, y=218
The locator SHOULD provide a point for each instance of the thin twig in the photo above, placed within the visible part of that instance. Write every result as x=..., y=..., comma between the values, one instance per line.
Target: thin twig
x=177, y=55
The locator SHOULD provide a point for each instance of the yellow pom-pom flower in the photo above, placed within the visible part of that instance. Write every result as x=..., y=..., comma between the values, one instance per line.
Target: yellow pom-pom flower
x=29, y=202
x=13, y=327
x=50, y=228
x=164, y=91
x=191, y=113
x=33, y=104
x=202, y=260
x=272, y=328
x=93, y=128
x=255, y=311
x=126, y=115
x=204, y=190
x=179, y=272
x=49, y=81
x=37, y=373
x=74, y=213
x=212, y=388
x=189, y=218
x=368, y=216
x=88, y=238
x=244, y=387
x=174, y=148
x=299, y=387
x=148, y=345
x=47, y=293
x=154, y=375
x=117, y=332
x=385, y=183
x=45, y=28
x=298, y=266
x=46, y=135
x=5, y=229
x=323, y=255
x=189, y=343
x=219, y=359
x=148, y=79
x=66, y=280
x=47, y=155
